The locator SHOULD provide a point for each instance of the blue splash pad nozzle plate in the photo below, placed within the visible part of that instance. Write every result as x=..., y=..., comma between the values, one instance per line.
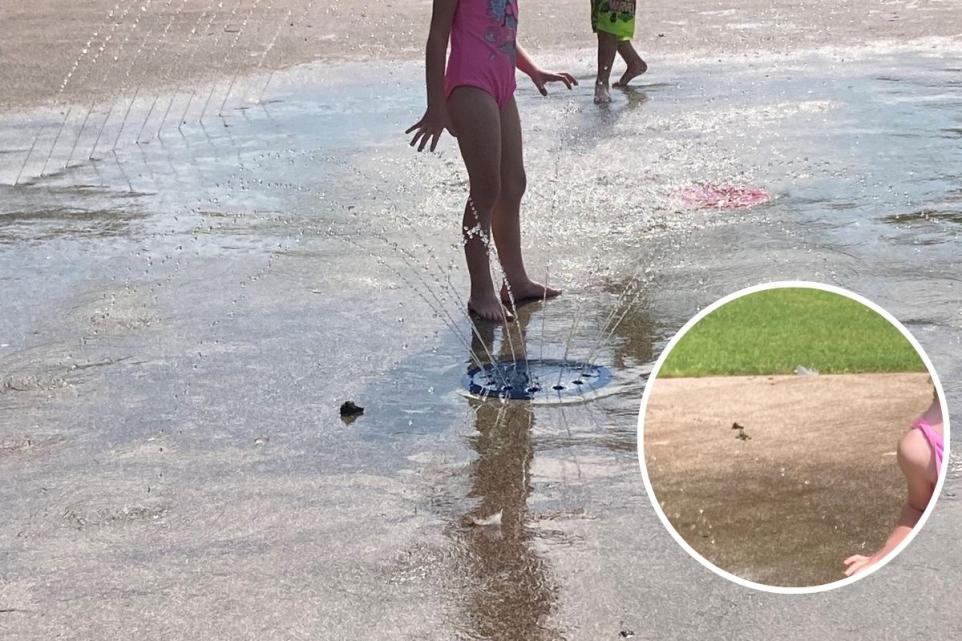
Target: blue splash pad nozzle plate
x=540, y=380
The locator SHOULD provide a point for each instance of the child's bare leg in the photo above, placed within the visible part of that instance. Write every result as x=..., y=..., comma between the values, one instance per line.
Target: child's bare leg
x=636, y=66
x=477, y=119
x=506, y=221
x=607, y=48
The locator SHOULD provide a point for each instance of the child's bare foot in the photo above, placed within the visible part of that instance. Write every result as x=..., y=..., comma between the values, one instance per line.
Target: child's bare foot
x=635, y=69
x=489, y=308
x=602, y=96
x=527, y=291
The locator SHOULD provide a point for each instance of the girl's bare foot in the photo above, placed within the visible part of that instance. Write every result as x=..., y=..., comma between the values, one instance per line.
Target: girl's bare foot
x=635, y=69
x=526, y=292
x=602, y=96
x=489, y=308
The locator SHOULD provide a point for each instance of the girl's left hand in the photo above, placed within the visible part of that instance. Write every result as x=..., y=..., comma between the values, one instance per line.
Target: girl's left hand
x=541, y=78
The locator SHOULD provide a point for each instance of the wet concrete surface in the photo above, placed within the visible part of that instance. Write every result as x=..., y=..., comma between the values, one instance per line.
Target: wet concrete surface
x=182, y=320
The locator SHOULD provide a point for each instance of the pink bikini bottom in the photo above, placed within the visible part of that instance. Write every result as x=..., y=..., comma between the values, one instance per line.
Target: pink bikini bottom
x=934, y=439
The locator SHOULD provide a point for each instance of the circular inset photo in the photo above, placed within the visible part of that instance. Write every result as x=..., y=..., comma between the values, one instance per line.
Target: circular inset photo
x=792, y=437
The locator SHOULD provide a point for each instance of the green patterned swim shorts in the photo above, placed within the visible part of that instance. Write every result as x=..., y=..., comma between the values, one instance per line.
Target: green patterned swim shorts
x=616, y=17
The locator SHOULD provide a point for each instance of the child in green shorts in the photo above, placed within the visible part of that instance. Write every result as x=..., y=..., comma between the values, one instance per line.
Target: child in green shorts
x=614, y=22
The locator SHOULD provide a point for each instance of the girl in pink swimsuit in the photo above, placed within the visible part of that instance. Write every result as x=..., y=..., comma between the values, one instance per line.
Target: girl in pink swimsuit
x=473, y=98
x=920, y=455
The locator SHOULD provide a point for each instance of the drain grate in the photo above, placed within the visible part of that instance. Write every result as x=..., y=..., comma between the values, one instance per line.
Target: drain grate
x=547, y=380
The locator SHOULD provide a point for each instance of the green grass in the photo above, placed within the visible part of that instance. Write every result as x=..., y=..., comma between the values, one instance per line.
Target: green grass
x=776, y=330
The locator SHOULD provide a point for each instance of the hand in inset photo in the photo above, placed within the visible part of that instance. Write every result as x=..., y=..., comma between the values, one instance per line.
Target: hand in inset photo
x=920, y=459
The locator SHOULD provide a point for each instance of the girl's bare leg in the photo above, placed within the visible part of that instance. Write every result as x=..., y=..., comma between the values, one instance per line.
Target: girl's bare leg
x=636, y=66
x=506, y=221
x=477, y=120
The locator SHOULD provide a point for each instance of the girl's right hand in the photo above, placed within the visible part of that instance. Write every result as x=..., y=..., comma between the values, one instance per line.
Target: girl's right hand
x=857, y=563
x=430, y=127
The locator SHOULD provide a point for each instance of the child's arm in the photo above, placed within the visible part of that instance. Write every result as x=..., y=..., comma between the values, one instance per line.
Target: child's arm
x=916, y=460
x=435, y=118
x=539, y=77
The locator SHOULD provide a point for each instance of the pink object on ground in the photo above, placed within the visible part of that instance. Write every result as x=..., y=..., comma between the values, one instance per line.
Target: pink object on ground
x=483, y=48
x=934, y=439
x=723, y=196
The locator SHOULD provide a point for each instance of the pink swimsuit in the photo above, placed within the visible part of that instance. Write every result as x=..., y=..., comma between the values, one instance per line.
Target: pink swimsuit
x=483, y=52
x=934, y=439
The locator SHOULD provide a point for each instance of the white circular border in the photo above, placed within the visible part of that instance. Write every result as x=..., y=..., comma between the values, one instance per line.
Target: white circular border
x=644, y=407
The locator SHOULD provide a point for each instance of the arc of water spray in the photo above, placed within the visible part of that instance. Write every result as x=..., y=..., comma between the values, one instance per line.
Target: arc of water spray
x=267, y=50
x=571, y=332
x=544, y=312
x=423, y=286
x=101, y=50
x=33, y=146
x=167, y=71
x=176, y=62
x=579, y=314
x=230, y=86
x=479, y=231
x=103, y=81
x=453, y=324
x=451, y=289
x=492, y=250
x=120, y=168
x=143, y=10
x=150, y=57
x=611, y=315
x=514, y=310
x=193, y=92
x=63, y=86
x=607, y=335
x=270, y=46
x=409, y=261
x=233, y=80
x=419, y=293
x=405, y=256
x=630, y=294
x=213, y=85
x=56, y=139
